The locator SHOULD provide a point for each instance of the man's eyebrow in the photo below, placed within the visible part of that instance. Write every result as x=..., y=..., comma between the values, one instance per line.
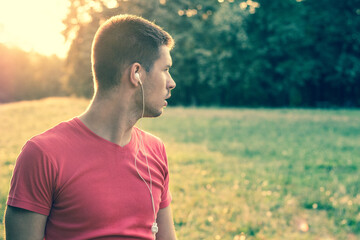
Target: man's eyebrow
x=168, y=65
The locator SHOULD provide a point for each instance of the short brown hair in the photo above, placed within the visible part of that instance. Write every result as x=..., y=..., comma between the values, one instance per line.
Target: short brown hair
x=123, y=40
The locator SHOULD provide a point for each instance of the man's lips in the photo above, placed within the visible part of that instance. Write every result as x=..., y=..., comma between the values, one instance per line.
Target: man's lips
x=166, y=103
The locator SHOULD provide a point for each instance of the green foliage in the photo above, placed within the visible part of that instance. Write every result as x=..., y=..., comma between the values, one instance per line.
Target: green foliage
x=263, y=172
x=302, y=46
x=236, y=53
x=228, y=53
x=231, y=52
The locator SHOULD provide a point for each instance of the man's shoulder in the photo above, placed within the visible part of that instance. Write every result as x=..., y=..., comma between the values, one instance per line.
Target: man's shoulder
x=62, y=132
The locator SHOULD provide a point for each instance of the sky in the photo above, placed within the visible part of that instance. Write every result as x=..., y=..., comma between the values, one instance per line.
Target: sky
x=34, y=25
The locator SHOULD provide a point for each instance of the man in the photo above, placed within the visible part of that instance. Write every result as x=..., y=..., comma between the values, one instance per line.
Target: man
x=97, y=176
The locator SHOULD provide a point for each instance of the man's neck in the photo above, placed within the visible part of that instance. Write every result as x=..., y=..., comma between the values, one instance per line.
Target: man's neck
x=113, y=122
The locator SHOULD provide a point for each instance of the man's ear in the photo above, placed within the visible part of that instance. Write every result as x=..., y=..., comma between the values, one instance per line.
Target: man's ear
x=135, y=74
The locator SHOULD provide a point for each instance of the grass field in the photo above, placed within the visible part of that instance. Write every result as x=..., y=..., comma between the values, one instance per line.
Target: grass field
x=235, y=173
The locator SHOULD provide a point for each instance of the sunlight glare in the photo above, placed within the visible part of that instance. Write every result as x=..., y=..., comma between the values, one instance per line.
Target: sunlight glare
x=34, y=25
x=111, y=3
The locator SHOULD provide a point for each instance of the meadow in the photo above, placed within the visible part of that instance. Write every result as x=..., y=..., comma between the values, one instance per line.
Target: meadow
x=236, y=174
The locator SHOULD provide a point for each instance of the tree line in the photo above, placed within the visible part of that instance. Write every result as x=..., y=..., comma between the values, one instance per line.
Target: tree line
x=27, y=76
x=298, y=53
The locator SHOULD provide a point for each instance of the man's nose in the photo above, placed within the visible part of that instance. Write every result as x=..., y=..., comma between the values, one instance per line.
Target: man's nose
x=171, y=83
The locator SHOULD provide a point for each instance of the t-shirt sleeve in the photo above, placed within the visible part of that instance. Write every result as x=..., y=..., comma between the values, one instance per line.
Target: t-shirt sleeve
x=166, y=195
x=33, y=181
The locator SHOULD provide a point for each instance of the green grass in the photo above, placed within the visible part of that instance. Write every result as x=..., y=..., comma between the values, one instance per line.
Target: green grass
x=261, y=172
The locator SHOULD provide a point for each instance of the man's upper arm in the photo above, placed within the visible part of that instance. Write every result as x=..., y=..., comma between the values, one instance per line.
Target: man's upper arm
x=24, y=224
x=166, y=224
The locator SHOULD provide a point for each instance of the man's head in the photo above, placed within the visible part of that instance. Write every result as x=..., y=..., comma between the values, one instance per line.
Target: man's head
x=121, y=41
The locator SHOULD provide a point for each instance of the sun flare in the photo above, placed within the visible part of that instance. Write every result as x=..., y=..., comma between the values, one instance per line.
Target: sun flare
x=34, y=25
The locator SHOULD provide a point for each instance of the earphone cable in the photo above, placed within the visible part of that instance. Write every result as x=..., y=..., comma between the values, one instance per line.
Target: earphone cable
x=154, y=227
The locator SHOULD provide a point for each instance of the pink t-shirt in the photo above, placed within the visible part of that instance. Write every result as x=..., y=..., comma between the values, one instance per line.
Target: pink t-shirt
x=88, y=186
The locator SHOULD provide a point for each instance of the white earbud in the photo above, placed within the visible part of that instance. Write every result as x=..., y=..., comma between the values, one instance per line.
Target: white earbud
x=137, y=76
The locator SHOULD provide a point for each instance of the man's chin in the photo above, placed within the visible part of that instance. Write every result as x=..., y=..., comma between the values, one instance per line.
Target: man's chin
x=155, y=113
x=160, y=112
